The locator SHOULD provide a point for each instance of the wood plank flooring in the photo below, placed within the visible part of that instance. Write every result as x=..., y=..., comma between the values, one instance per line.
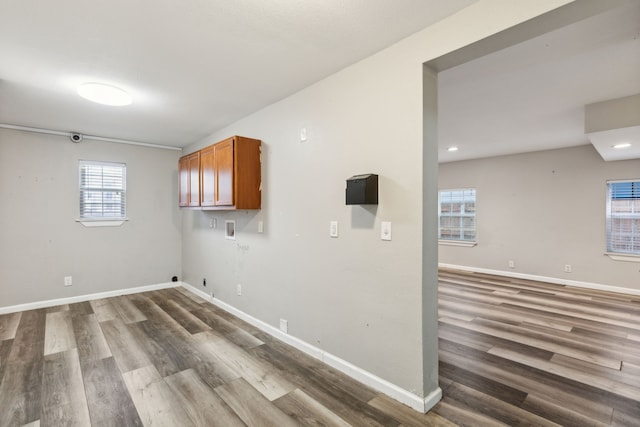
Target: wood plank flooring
x=512, y=352
x=519, y=352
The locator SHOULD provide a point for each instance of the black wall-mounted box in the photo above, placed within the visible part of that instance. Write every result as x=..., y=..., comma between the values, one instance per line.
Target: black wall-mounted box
x=362, y=189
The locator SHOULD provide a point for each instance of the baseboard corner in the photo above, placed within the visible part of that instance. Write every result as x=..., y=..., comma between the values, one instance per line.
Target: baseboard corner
x=379, y=384
x=86, y=297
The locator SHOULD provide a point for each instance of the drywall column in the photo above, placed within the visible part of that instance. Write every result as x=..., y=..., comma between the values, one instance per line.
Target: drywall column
x=432, y=392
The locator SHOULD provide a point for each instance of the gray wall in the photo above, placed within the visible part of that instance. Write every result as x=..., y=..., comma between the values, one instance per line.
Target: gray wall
x=356, y=296
x=362, y=299
x=40, y=241
x=543, y=210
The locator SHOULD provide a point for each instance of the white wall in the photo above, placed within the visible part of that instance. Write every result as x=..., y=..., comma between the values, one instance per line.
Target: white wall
x=356, y=296
x=543, y=210
x=40, y=241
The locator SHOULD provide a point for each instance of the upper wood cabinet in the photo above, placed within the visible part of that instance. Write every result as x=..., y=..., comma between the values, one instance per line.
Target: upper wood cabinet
x=189, y=180
x=207, y=177
x=183, y=181
x=224, y=172
x=229, y=175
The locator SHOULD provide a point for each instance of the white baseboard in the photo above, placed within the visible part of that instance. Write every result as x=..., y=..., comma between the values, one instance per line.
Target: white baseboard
x=89, y=297
x=412, y=400
x=554, y=280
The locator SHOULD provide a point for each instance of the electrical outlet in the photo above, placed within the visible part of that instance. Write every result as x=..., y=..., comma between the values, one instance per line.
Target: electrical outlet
x=68, y=281
x=239, y=289
x=567, y=268
x=284, y=325
x=512, y=264
x=230, y=230
x=260, y=226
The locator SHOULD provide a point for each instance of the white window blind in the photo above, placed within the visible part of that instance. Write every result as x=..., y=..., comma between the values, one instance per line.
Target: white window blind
x=623, y=217
x=102, y=190
x=457, y=214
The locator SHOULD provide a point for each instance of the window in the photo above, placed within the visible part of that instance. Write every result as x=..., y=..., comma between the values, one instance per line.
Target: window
x=623, y=217
x=457, y=215
x=102, y=191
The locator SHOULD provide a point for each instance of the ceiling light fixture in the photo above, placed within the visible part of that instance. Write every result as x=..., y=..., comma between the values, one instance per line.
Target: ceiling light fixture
x=452, y=149
x=104, y=94
x=621, y=145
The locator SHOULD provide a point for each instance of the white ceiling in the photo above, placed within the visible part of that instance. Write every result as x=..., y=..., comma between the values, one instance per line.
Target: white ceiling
x=199, y=66
x=192, y=66
x=531, y=96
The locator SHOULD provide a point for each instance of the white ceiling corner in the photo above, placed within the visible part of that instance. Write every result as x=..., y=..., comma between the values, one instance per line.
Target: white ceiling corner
x=532, y=96
x=198, y=66
x=192, y=67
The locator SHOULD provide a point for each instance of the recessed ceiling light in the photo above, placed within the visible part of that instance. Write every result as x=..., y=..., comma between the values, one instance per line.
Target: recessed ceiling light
x=452, y=149
x=104, y=94
x=622, y=145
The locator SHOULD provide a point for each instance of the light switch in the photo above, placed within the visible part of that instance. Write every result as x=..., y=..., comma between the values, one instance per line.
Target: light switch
x=385, y=230
x=333, y=229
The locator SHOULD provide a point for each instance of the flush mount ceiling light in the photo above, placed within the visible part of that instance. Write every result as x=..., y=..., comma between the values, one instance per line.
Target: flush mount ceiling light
x=452, y=149
x=621, y=145
x=104, y=94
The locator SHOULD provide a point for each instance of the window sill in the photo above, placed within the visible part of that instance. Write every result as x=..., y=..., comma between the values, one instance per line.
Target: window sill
x=623, y=257
x=102, y=222
x=462, y=243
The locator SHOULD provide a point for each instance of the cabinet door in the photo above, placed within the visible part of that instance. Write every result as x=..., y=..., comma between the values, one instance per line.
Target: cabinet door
x=183, y=181
x=223, y=160
x=207, y=177
x=194, y=179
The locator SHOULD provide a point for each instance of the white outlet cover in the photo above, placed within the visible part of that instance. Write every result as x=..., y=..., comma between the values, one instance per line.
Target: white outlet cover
x=303, y=134
x=230, y=230
x=239, y=289
x=284, y=325
x=260, y=226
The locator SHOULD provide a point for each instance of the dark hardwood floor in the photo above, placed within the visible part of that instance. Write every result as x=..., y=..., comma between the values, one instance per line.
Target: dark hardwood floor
x=512, y=352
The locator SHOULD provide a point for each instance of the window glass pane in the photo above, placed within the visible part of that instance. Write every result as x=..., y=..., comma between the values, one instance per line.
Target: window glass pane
x=457, y=214
x=102, y=190
x=623, y=217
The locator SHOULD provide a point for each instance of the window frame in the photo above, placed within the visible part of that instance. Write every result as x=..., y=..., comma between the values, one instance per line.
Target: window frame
x=102, y=220
x=468, y=242
x=611, y=248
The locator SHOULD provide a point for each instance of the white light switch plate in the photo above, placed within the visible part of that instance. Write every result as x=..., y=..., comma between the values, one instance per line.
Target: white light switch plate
x=385, y=230
x=333, y=229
